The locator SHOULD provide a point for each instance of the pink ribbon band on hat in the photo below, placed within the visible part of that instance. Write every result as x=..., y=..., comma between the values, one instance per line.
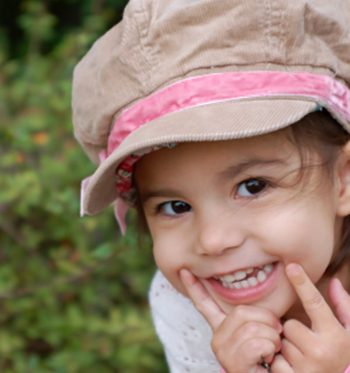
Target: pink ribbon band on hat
x=221, y=87
x=215, y=88
x=229, y=86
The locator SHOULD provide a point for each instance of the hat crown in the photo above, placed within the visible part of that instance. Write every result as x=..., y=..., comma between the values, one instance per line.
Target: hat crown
x=162, y=41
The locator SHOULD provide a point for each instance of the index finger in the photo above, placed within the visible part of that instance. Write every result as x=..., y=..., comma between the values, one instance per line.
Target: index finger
x=314, y=304
x=202, y=299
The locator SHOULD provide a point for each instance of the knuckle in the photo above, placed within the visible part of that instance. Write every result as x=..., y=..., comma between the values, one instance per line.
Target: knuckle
x=260, y=347
x=240, y=312
x=251, y=328
x=315, y=301
x=319, y=352
x=219, y=350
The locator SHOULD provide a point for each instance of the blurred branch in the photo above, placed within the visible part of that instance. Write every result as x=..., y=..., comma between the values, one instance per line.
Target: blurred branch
x=10, y=231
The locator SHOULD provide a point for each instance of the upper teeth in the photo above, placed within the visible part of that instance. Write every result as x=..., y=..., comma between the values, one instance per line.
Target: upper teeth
x=239, y=279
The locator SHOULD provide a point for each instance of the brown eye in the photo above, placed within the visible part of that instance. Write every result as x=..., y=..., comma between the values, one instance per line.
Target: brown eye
x=251, y=187
x=173, y=208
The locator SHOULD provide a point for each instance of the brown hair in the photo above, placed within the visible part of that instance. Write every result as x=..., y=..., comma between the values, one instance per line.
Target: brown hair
x=321, y=132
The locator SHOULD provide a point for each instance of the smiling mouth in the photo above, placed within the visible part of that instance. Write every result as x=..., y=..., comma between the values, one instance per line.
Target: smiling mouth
x=245, y=278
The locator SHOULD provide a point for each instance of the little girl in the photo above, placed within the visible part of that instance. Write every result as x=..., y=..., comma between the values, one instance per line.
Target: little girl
x=226, y=125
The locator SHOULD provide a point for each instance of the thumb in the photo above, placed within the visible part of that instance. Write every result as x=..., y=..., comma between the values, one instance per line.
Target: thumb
x=340, y=300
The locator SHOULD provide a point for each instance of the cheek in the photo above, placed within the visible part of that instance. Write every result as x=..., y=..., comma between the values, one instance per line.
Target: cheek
x=170, y=259
x=170, y=249
x=306, y=236
x=164, y=259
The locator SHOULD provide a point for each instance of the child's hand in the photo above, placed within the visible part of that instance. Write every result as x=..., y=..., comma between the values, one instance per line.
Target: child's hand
x=325, y=347
x=242, y=338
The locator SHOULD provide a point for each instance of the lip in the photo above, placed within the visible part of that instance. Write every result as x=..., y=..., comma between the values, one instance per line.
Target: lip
x=246, y=295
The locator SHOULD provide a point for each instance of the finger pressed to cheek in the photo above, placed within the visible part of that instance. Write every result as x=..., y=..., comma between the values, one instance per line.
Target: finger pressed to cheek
x=202, y=300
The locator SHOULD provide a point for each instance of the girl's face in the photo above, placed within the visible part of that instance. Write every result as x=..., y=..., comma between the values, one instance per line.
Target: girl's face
x=235, y=213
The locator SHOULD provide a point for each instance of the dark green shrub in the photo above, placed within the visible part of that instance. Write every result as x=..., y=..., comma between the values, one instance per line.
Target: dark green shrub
x=73, y=292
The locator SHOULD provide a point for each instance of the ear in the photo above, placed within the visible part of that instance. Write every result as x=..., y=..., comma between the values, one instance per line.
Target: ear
x=343, y=181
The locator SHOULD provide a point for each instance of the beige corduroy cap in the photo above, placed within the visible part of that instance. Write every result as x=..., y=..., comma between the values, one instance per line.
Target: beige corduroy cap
x=194, y=70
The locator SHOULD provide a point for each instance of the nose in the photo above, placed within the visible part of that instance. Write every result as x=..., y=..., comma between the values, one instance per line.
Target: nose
x=217, y=234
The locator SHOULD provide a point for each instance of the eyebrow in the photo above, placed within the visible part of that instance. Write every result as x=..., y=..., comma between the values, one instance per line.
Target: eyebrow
x=166, y=192
x=229, y=173
x=245, y=165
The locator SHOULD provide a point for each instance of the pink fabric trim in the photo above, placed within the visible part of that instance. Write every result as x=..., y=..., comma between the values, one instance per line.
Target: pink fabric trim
x=212, y=88
x=120, y=211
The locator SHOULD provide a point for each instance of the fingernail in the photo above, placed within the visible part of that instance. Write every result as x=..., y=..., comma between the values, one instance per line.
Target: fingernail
x=185, y=276
x=338, y=284
x=293, y=269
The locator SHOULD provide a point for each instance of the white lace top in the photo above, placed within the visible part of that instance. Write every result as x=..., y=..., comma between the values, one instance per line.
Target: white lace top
x=182, y=330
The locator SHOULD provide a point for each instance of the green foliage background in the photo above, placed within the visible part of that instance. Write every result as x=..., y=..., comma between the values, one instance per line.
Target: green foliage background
x=73, y=293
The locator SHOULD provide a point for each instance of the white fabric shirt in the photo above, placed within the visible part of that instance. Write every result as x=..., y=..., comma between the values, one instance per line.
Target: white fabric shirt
x=182, y=330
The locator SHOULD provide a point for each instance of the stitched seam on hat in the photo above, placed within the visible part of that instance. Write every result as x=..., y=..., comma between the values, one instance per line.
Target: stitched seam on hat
x=267, y=11
x=147, y=50
x=270, y=32
x=283, y=35
x=274, y=32
x=262, y=27
x=276, y=26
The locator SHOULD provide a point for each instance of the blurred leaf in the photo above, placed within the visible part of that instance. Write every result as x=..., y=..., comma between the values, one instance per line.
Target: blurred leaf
x=73, y=292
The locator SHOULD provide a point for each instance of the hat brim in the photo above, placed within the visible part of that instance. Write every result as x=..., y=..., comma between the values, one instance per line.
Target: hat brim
x=213, y=122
